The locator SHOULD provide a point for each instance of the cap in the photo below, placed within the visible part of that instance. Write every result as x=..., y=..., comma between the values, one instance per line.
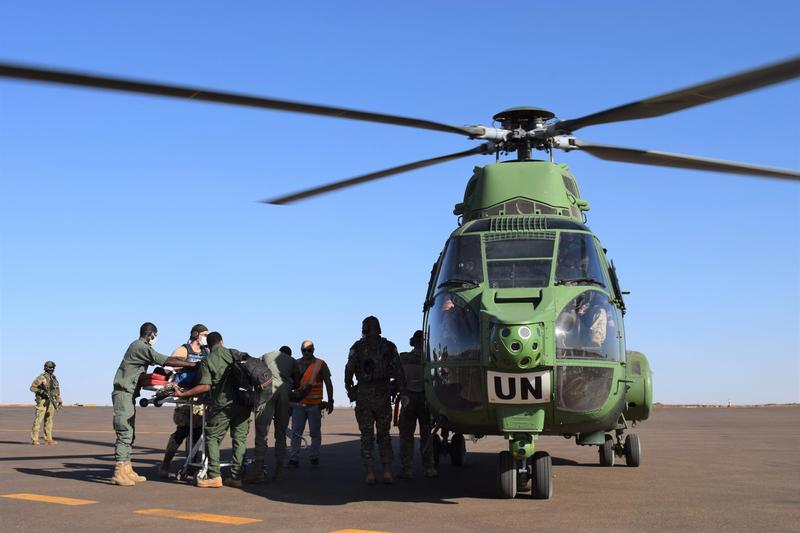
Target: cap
x=198, y=329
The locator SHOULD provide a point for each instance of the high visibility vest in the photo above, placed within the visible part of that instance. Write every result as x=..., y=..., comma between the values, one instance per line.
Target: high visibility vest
x=311, y=375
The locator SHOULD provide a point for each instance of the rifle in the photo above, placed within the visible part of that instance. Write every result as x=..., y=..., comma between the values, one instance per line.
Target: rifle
x=46, y=393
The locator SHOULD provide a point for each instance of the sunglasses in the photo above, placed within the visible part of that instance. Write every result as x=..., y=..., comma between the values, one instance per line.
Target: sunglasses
x=307, y=350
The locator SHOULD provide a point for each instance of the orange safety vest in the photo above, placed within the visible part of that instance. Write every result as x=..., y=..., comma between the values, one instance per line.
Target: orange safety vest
x=311, y=375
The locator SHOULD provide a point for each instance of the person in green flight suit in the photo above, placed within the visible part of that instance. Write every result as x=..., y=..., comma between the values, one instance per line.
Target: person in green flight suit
x=225, y=412
x=48, y=399
x=137, y=358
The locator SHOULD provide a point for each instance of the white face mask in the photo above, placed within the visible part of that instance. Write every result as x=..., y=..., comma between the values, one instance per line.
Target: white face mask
x=203, y=340
x=153, y=341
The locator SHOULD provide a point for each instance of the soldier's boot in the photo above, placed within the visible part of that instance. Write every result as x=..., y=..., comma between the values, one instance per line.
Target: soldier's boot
x=235, y=483
x=388, y=479
x=121, y=476
x=406, y=473
x=370, y=474
x=210, y=483
x=169, y=454
x=132, y=474
x=51, y=441
x=430, y=471
x=255, y=473
x=35, y=442
x=278, y=473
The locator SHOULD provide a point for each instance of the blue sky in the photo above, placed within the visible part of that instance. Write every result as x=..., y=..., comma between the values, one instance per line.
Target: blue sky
x=118, y=209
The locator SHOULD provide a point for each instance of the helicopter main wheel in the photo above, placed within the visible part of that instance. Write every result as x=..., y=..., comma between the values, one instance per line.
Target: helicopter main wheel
x=542, y=476
x=607, y=452
x=457, y=449
x=633, y=450
x=143, y=402
x=506, y=475
x=437, y=448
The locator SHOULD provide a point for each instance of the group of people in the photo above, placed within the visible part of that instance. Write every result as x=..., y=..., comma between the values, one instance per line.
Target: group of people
x=294, y=393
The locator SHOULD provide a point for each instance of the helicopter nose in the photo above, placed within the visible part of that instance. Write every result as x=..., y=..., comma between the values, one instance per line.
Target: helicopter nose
x=517, y=346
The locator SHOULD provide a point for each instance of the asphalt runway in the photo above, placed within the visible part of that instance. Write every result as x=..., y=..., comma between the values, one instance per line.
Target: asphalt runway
x=702, y=469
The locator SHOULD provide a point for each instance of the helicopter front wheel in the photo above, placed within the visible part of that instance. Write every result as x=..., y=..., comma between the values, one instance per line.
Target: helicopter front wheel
x=457, y=449
x=633, y=450
x=542, y=465
x=506, y=475
x=606, y=451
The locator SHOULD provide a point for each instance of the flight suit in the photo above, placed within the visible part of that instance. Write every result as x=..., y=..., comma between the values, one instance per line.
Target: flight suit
x=224, y=412
x=414, y=408
x=374, y=362
x=137, y=358
x=284, y=369
x=45, y=409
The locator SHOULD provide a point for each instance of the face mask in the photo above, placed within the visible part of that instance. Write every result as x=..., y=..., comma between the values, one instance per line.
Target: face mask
x=203, y=340
x=153, y=341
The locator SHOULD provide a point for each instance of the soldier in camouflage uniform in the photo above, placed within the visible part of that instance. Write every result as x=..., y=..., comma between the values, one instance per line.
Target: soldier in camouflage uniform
x=414, y=408
x=374, y=362
x=48, y=399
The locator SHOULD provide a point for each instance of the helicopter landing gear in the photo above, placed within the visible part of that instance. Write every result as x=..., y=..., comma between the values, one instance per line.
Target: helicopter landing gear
x=506, y=475
x=457, y=449
x=633, y=450
x=542, y=465
x=607, y=451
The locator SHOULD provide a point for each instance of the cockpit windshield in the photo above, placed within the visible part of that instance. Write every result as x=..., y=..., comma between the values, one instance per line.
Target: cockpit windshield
x=519, y=262
x=462, y=263
x=578, y=262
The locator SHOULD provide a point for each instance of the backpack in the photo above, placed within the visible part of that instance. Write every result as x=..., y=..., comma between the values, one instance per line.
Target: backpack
x=251, y=379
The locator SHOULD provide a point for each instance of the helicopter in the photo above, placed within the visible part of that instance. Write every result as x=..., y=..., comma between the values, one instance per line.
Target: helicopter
x=523, y=317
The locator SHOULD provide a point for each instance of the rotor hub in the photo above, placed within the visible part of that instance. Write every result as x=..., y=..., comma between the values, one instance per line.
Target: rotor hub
x=525, y=118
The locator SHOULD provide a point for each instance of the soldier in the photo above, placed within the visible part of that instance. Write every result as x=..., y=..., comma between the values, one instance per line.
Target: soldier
x=414, y=408
x=225, y=412
x=137, y=358
x=374, y=362
x=284, y=375
x=48, y=399
x=195, y=349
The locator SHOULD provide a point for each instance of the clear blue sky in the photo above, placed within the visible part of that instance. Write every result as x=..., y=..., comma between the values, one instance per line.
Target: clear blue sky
x=120, y=209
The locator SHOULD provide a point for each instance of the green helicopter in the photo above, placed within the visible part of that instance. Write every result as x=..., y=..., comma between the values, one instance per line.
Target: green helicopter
x=523, y=316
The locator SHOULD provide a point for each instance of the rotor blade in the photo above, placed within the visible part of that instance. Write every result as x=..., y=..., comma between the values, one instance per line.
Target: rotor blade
x=482, y=149
x=689, y=97
x=132, y=86
x=666, y=159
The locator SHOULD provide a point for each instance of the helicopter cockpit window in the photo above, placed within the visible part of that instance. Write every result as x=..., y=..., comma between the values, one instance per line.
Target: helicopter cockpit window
x=453, y=329
x=587, y=328
x=578, y=263
x=462, y=262
x=519, y=262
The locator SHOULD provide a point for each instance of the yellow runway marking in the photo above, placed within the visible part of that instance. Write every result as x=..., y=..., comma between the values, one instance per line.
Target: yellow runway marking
x=202, y=517
x=47, y=499
x=356, y=531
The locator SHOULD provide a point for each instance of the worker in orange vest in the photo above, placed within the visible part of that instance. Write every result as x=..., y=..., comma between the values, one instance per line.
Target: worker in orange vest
x=314, y=372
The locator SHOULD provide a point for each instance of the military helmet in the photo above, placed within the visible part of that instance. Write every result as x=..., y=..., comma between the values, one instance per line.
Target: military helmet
x=416, y=338
x=49, y=364
x=370, y=320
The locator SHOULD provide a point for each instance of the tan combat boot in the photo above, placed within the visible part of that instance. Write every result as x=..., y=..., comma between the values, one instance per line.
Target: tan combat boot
x=388, y=479
x=210, y=483
x=370, y=474
x=121, y=476
x=132, y=474
x=51, y=441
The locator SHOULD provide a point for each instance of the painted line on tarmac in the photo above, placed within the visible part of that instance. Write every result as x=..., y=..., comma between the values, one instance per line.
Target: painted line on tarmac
x=200, y=517
x=357, y=531
x=89, y=431
x=47, y=499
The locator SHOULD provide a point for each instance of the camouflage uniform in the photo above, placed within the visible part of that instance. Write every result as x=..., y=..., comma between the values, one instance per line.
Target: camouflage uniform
x=45, y=409
x=414, y=408
x=374, y=362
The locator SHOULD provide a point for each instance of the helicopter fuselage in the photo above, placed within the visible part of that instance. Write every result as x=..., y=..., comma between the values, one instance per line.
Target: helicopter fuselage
x=523, y=317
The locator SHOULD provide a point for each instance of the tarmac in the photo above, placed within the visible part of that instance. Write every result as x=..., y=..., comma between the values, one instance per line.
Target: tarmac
x=702, y=469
